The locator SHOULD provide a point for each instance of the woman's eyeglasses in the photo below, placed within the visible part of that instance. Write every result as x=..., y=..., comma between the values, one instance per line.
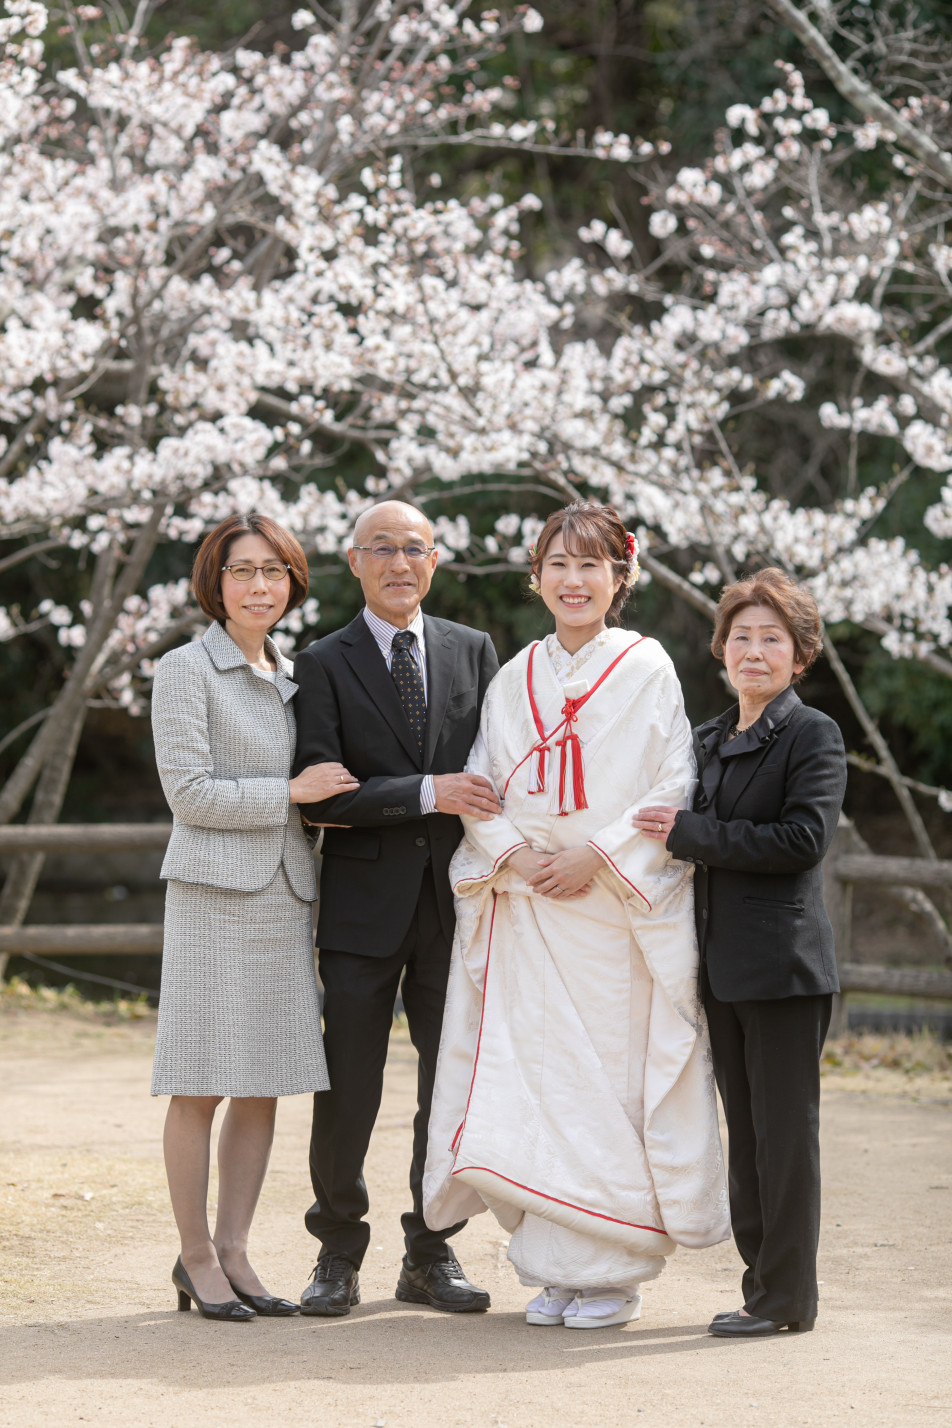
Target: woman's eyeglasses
x=273, y=571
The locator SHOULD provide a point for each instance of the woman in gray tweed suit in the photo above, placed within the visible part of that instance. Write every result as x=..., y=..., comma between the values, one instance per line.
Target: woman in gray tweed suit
x=238, y=1015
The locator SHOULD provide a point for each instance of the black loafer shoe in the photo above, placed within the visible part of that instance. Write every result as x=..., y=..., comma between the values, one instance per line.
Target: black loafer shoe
x=746, y=1326
x=442, y=1285
x=333, y=1288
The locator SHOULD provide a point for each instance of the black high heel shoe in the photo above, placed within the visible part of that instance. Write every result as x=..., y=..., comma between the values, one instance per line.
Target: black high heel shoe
x=267, y=1305
x=231, y=1311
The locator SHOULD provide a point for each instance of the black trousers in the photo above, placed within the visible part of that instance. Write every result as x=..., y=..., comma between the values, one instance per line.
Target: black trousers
x=359, y=994
x=767, y=1065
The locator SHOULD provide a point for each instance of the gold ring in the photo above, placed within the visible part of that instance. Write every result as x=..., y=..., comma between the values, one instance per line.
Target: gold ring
x=659, y=827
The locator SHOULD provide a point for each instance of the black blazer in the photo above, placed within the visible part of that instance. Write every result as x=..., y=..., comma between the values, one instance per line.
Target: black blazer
x=348, y=709
x=763, y=930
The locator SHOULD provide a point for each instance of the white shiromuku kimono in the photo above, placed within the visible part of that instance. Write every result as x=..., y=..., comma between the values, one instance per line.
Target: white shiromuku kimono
x=574, y=1093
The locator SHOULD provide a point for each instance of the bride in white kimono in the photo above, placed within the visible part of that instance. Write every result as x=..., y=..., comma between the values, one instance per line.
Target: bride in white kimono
x=574, y=1092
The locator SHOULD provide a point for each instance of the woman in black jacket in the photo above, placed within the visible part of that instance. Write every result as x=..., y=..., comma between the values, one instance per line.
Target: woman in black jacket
x=772, y=774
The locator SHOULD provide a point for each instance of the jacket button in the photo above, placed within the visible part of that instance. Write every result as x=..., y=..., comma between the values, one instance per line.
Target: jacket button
x=420, y=842
x=704, y=912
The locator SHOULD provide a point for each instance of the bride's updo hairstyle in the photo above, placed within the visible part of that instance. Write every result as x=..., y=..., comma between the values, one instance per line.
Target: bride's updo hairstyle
x=589, y=528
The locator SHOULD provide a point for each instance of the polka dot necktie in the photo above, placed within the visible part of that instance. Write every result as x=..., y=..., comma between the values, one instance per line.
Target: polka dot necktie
x=409, y=682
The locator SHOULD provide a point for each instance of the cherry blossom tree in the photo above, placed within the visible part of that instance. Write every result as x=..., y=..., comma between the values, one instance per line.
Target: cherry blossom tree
x=190, y=246
x=221, y=274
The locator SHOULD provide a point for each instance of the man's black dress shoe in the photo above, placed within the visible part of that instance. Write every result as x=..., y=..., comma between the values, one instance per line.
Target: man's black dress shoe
x=442, y=1285
x=266, y=1304
x=746, y=1326
x=333, y=1288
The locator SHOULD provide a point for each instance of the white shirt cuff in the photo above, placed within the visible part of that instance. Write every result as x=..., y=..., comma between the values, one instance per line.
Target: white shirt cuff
x=427, y=795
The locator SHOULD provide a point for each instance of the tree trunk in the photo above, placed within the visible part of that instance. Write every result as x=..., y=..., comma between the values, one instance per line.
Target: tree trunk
x=51, y=756
x=24, y=871
x=71, y=698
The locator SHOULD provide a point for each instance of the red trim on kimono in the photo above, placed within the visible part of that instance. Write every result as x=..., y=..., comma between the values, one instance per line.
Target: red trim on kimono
x=482, y=1013
x=569, y=744
x=596, y=1214
x=482, y=876
x=618, y=870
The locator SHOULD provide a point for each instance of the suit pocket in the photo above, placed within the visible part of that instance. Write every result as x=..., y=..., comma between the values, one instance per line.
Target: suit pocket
x=772, y=768
x=351, y=843
x=774, y=904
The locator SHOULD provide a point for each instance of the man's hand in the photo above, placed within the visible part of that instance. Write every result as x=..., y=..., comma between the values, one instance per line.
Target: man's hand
x=465, y=794
x=565, y=874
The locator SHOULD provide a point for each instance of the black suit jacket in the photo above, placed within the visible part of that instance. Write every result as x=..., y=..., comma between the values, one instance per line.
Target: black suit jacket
x=763, y=930
x=348, y=709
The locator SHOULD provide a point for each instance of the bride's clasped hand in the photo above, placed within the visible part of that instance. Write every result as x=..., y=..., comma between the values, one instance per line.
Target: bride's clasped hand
x=560, y=875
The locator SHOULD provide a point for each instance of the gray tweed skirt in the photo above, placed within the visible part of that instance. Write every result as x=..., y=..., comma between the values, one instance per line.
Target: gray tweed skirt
x=238, y=1008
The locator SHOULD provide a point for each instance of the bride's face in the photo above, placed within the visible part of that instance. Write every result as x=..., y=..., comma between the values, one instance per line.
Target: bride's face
x=578, y=589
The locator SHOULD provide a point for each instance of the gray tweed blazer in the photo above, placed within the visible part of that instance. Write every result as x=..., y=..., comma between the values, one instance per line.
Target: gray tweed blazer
x=224, y=738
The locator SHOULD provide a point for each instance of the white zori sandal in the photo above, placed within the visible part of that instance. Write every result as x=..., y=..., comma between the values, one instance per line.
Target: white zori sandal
x=600, y=1308
x=549, y=1306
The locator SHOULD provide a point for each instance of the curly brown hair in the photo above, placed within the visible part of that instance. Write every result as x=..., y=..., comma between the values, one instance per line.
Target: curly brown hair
x=589, y=528
x=794, y=605
x=213, y=554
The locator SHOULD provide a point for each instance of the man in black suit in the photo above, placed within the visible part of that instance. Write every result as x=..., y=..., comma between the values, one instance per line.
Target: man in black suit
x=396, y=697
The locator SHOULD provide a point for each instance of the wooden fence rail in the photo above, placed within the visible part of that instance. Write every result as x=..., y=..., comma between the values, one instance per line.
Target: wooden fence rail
x=900, y=872
x=73, y=939
x=841, y=871
x=84, y=837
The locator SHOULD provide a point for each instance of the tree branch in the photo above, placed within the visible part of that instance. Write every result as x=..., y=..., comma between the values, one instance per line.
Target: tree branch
x=857, y=92
x=883, y=751
x=25, y=553
x=677, y=583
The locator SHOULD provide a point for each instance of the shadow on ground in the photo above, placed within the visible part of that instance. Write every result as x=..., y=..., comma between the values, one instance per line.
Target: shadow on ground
x=370, y=1346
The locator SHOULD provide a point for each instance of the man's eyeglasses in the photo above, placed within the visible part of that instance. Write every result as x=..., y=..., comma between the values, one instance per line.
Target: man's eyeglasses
x=383, y=550
x=273, y=571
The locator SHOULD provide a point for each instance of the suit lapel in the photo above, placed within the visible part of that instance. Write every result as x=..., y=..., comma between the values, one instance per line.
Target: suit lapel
x=441, y=655
x=741, y=769
x=738, y=773
x=363, y=655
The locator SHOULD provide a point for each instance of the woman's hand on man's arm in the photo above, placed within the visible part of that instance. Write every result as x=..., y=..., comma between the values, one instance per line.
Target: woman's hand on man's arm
x=320, y=781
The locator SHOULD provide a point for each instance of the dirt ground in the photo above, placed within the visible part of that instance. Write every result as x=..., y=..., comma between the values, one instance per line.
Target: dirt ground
x=89, y=1332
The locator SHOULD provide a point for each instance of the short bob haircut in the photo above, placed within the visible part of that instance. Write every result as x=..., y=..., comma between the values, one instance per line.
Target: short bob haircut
x=795, y=606
x=213, y=554
x=589, y=528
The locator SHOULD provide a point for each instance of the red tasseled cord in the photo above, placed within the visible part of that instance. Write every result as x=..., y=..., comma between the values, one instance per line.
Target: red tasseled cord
x=578, y=776
x=570, y=738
